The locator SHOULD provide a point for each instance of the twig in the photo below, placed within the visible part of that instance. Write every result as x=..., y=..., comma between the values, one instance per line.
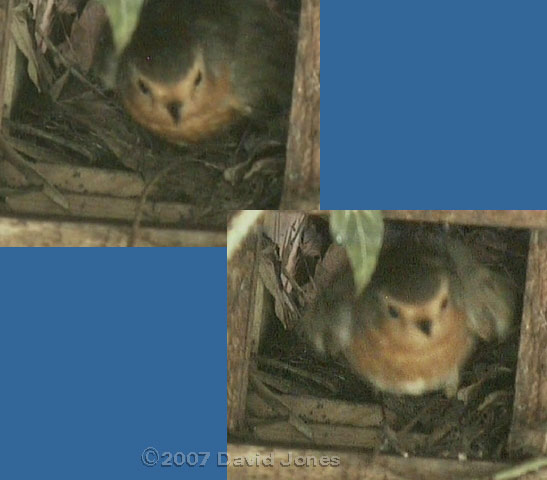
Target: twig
x=138, y=215
x=297, y=371
x=31, y=174
x=277, y=404
x=57, y=139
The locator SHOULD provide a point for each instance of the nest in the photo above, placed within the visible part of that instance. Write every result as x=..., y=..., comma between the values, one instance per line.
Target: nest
x=303, y=399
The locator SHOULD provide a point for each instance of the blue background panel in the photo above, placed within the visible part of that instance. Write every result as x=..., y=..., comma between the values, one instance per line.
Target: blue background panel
x=434, y=104
x=107, y=352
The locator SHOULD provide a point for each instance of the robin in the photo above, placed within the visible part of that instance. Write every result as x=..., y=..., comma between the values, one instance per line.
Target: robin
x=418, y=320
x=193, y=68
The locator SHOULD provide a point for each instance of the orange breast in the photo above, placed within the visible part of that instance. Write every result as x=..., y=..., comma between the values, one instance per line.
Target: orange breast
x=204, y=113
x=393, y=363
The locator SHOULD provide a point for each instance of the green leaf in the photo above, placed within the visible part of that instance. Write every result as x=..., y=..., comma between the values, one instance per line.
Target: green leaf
x=361, y=233
x=123, y=15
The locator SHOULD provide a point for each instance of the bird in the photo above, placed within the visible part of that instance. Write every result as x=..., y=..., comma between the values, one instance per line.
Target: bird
x=195, y=68
x=418, y=320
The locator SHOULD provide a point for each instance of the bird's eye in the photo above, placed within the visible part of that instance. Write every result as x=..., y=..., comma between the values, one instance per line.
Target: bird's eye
x=393, y=312
x=444, y=303
x=198, y=79
x=143, y=87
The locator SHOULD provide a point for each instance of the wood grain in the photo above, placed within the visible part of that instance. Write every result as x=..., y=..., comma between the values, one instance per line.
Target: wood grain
x=352, y=466
x=43, y=233
x=493, y=218
x=302, y=174
x=529, y=427
x=242, y=277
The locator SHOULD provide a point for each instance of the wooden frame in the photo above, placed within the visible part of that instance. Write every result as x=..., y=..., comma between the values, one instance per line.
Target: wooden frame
x=301, y=189
x=528, y=431
x=7, y=49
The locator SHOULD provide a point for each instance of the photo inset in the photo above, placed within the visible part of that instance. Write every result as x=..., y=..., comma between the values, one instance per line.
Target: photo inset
x=395, y=333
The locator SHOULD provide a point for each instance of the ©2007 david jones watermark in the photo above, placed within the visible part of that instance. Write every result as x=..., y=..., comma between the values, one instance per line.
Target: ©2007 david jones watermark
x=151, y=457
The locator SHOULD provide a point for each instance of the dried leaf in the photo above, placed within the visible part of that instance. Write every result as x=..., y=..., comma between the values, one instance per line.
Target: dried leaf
x=23, y=40
x=58, y=85
x=85, y=34
x=67, y=7
x=285, y=230
x=334, y=259
x=42, y=11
